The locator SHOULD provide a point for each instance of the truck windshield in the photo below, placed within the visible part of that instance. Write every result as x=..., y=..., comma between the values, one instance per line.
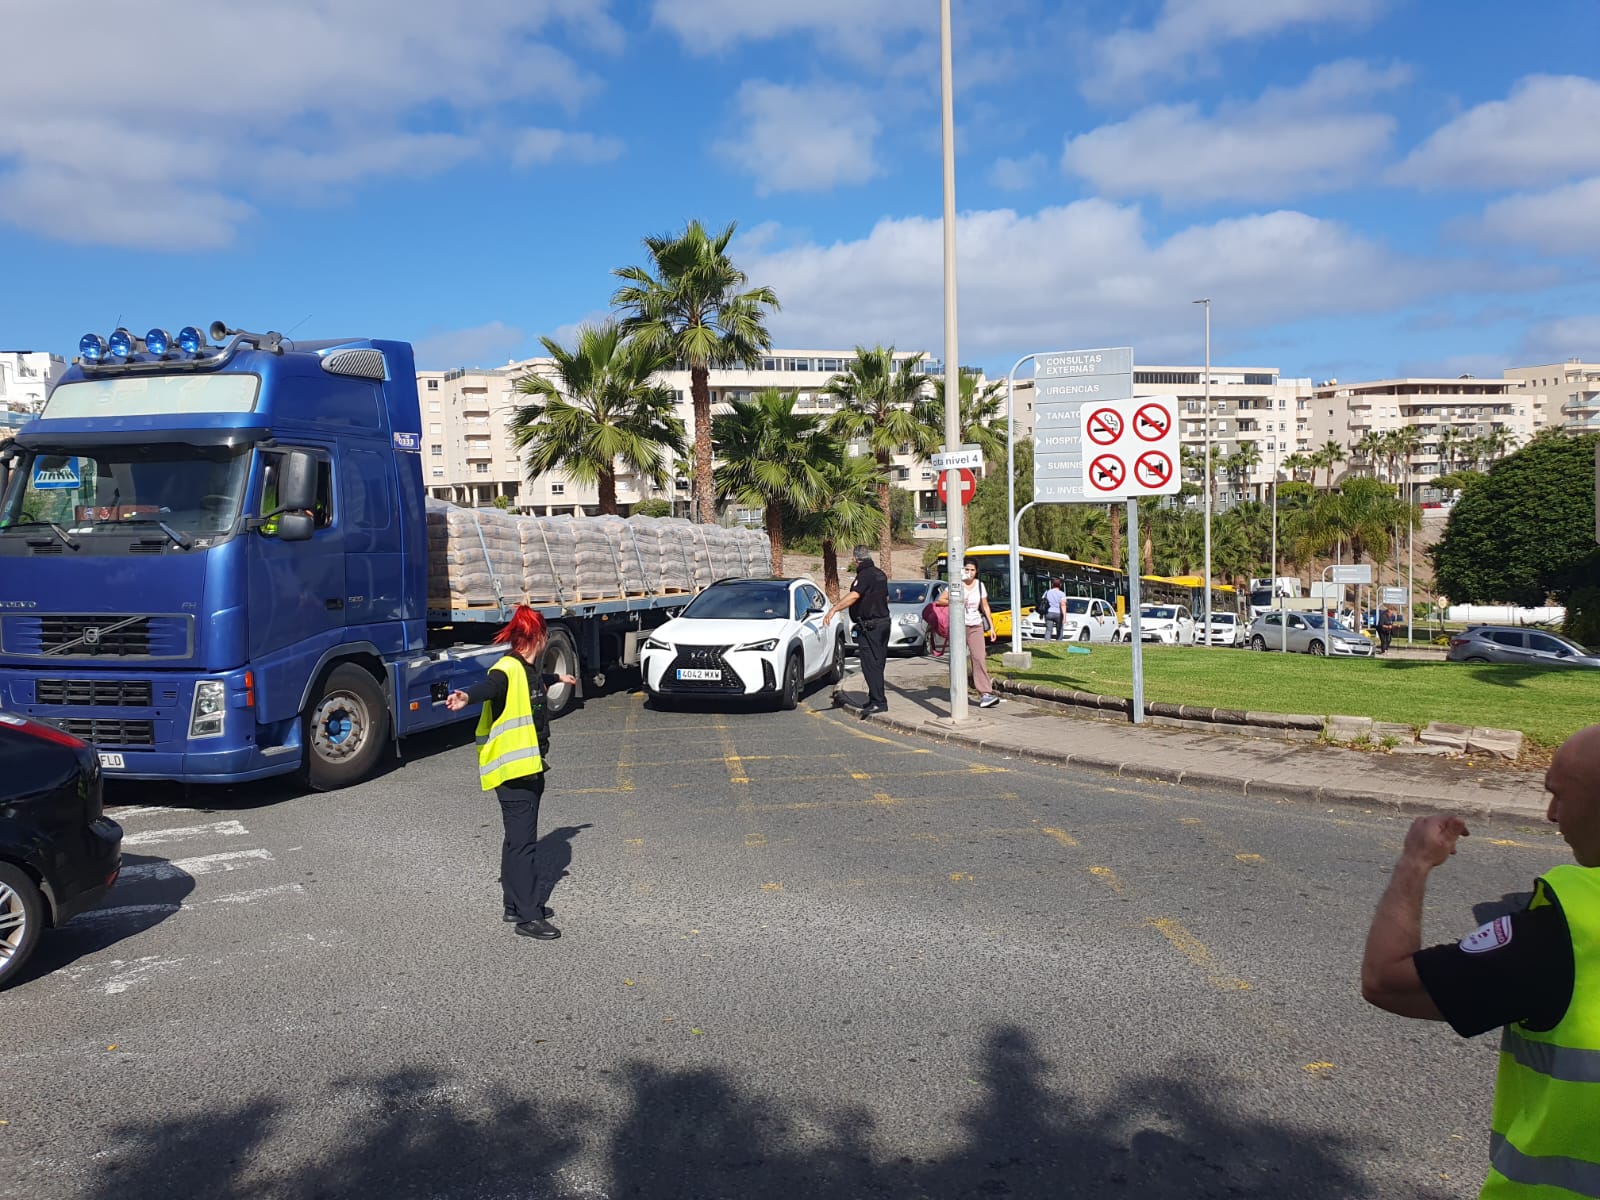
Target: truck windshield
x=191, y=489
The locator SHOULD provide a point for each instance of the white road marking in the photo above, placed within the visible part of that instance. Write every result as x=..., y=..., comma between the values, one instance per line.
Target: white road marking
x=117, y=814
x=206, y=864
x=153, y=837
x=102, y=916
x=130, y=973
x=258, y=894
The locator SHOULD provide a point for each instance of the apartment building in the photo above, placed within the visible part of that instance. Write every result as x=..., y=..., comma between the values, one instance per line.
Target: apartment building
x=1571, y=392
x=468, y=457
x=26, y=377
x=1447, y=413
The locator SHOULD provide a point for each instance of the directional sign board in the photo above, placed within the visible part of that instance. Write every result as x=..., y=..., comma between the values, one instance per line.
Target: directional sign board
x=1133, y=448
x=967, y=456
x=1070, y=387
x=1357, y=573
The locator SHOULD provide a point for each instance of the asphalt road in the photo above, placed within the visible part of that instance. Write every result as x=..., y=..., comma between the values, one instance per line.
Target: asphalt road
x=801, y=958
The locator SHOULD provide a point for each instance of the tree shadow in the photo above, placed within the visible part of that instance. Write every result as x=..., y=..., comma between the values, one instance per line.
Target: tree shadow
x=149, y=891
x=704, y=1132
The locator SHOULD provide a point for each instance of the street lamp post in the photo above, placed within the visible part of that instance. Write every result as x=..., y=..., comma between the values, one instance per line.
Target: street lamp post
x=1206, y=623
x=955, y=525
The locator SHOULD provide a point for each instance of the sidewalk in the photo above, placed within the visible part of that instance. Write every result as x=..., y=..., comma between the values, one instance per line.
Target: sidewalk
x=919, y=702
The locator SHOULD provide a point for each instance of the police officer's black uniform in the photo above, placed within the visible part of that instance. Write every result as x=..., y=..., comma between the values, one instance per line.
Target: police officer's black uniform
x=871, y=613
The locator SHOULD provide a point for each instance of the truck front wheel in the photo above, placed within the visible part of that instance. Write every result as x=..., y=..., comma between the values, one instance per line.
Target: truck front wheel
x=345, y=729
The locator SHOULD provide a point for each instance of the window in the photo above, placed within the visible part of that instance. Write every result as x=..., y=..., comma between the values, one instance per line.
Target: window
x=433, y=385
x=558, y=489
x=435, y=428
x=438, y=472
x=433, y=406
x=322, y=510
x=1506, y=637
x=436, y=451
x=481, y=468
x=1546, y=645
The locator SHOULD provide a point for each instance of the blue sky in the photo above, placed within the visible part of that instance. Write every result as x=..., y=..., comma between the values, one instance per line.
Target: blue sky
x=1362, y=187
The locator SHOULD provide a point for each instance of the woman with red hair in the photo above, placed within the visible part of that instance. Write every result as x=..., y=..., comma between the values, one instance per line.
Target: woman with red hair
x=513, y=738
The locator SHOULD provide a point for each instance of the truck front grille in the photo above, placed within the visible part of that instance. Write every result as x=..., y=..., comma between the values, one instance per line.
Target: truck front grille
x=93, y=693
x=98, y=732
x=97, y=635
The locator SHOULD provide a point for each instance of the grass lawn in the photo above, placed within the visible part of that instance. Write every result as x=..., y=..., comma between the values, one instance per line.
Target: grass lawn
x=1545, y=703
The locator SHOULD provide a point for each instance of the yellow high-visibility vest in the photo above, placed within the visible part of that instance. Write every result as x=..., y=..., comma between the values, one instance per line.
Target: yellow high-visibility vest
x=1546, y=1128
x=508, y=748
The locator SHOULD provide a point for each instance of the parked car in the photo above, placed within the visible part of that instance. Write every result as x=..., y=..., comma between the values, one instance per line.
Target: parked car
x=1225, y=629
x=907, y=598
x=1308, y=633
x=59, y=854
x=1083, y=619
x=745, y=637
x=1168, y=624
x=1514, y=644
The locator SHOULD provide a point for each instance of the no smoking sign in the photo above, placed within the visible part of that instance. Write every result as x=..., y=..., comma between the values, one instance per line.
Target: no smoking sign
x=1133, y=449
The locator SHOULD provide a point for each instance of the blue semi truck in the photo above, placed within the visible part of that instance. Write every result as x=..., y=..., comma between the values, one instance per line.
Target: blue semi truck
x=214, y=563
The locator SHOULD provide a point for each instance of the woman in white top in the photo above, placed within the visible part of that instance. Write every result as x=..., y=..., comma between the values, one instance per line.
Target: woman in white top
x=978, y=620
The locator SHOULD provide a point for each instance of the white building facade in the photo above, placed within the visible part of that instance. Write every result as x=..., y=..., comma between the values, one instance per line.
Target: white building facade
x=26, y=377
x=1571, y=392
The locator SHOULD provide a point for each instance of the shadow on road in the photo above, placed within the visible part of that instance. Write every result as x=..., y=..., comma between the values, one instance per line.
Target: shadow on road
x=703, y=1133
x=555, y=856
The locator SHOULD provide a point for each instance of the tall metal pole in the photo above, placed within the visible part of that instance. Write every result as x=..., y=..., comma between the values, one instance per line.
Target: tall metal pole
x=1206, y=624
x=955, y=511
x=1133, y=612
x=1013, y=517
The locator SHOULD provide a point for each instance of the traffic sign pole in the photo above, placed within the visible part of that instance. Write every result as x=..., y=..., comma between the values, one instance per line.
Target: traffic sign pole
x=1133, y=611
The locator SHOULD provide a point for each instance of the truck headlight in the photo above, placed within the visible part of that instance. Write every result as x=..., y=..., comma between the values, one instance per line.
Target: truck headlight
x=210, y=709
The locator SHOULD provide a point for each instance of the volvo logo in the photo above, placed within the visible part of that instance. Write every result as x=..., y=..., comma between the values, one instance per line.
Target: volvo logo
x=19, y=604
x=91, y=636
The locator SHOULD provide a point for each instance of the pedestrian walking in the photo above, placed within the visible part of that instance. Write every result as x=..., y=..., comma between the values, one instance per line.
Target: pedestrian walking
x=979, y=624
x=868, y=600
x=1534, y=972
x=1387, y=620
x=513, y=740
x=1055, y=601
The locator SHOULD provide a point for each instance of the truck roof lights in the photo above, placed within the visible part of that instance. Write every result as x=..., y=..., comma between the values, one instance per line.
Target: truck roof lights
x=158, y=341
x=121, y=343
x=191, y=340
x=92, y=347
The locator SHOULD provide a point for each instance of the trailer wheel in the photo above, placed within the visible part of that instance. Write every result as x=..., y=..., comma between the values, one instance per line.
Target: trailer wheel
x=22, y=914
x=560, y=658
x=345, y=729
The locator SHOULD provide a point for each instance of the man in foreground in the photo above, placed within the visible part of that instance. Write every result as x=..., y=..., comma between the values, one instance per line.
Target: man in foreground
x=1536, y=973
x=868, y=598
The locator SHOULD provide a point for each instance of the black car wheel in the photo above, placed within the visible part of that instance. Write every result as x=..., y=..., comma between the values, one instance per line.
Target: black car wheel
x=1084, y=635
x=793, y=675
x=21, y=916
x=836, y=668
x=1316, y=647
x=1476, y=659
x=1258, y=642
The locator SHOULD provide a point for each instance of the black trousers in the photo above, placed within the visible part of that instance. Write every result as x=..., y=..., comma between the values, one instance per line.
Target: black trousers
x=1385, y=636
x=519, y=871
x=872, y=647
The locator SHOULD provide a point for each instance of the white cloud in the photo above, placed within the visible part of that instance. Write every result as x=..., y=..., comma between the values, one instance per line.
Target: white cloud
x=1547, y=130
x=1083, y=274
x=1561, y=338
x=480, y=346
x=538, y=147
x=175, y=128
x=709, y=26
x=1288, y=142
x=1562, y=221
x=1187, y=33
x=1015, y=174
x=803, y=139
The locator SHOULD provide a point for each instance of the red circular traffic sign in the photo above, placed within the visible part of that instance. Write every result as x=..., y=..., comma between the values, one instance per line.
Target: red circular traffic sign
x=1152, y=422
x=1106, y=473
x=969, y=485
x=1152, y=469
x=1104, y=426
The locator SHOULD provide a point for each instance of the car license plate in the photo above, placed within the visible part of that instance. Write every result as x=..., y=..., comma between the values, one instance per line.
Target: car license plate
x=699, y=674
x=111, y=762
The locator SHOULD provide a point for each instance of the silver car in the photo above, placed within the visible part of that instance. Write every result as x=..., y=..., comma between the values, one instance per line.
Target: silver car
x=908, y=633
x=1308, y=633
x=1513, y=644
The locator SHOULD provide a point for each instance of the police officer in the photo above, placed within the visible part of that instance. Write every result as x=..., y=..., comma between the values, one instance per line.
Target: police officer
x=1536, y=972
x=513, y=738
x=868, y=597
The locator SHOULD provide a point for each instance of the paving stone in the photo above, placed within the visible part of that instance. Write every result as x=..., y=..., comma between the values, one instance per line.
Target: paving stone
x=1394, y=729
x=1424, y=749
x=1348, y=729
x=1502, y=743
x=1443, y=733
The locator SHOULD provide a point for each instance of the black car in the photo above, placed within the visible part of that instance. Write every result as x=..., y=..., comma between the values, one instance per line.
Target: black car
x=58, y=854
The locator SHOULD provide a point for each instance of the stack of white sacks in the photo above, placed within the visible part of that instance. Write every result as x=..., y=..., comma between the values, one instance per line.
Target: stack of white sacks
x=481, y=557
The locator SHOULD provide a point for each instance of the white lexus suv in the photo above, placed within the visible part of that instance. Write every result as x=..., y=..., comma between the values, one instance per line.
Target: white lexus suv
x=745, y=637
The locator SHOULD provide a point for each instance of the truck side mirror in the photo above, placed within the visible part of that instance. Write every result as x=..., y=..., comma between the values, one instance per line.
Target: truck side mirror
x=297, y=483
x=8, y=454
x=295, y=527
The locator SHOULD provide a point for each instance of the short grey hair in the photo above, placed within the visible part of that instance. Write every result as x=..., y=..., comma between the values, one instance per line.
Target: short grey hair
x=862, y=553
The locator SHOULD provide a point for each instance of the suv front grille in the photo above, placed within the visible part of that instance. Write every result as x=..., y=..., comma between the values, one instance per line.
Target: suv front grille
x=702, y=658
x=99, y=732
x=93, y=693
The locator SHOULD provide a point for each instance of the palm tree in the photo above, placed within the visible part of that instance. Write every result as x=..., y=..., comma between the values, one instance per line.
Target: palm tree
x=600, y=406
x=1450, y=437
x=880, y=401
x=981, y=416
x=1331, y=454
x=771, y=456
x=1368, y=448
x=844, y=511
x=1497, y=441
x=1297, y=462
x=1407, y=441
x=693, y=308
x=1242, y=462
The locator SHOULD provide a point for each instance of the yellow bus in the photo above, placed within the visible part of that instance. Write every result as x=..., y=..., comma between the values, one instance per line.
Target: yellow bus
x=1189, y=590
x=1035, y=570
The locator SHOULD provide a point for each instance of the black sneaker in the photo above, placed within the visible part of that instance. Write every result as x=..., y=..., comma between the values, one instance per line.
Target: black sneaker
x=542, y=930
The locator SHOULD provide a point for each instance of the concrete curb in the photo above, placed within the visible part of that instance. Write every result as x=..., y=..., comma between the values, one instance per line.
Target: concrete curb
x=1259, y=789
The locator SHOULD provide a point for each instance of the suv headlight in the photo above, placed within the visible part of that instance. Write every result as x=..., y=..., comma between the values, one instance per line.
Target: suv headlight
x=655, y=643
x=210, y=709
x=765, y=646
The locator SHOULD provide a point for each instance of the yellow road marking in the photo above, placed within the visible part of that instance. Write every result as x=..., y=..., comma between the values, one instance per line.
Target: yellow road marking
x=630, y=726
x=633, y=841
x=883, y=798
x=1249, y=858
x=960, y=877
x=1060, y=835
x=754, y=841
x=1107, y=876
x=772, y=887
x=1318, y=1067
x=859, y=775
x=1194, y=950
